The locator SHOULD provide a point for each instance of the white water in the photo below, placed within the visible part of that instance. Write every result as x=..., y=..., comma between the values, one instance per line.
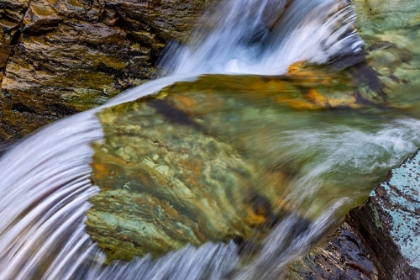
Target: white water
x=261, y=37
x=45, y=178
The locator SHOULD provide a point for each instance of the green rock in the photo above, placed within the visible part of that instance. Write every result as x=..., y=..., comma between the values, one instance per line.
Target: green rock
x=175, y=167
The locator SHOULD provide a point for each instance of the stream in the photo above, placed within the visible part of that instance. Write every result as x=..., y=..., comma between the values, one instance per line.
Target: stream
x=330, y=135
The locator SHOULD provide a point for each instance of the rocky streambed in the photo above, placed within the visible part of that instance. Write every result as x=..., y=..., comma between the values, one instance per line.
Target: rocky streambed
x=62, y=57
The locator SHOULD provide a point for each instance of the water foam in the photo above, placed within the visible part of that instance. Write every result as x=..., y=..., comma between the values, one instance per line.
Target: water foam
x=265, y=37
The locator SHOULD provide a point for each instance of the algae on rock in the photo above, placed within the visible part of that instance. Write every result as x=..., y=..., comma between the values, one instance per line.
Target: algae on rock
x=187, y=155
x=175, y=167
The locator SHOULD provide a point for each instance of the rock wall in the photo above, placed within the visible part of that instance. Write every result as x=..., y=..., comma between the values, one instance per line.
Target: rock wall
x=343, y=255
x=389, y=222
x=379, y=240
x=59, y=57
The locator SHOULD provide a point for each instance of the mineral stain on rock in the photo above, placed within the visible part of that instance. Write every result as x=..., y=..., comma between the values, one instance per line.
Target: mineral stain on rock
x=166, y=184
x=181, y=166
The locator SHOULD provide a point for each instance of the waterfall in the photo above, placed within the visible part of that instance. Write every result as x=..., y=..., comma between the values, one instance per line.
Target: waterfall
x=265, y=37
x=45, y=178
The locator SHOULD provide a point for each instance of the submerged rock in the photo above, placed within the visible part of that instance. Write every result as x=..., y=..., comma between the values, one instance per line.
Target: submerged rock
x=392, y=36
x=62, y=57
x=175, y=167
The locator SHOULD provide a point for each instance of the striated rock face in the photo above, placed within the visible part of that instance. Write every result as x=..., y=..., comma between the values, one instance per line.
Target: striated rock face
x=390, y=222
x=64, y=56
x=342, y=256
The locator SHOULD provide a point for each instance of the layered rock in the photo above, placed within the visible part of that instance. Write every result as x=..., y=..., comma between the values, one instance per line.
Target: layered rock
x=342, y=256
x=379, y=240
x=389, y=222
x=62, y=57
x=174, y=167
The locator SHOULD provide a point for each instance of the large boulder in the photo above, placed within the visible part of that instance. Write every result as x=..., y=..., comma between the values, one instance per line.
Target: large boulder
x=389, y=222
x=175, y=167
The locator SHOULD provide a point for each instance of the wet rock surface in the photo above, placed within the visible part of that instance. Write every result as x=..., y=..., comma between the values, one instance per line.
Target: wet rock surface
x=174, y=167
x=170, y=177
x=342, y=256
x=378, y=240
x=390, y=222
x=61, y=57
x=390, y=31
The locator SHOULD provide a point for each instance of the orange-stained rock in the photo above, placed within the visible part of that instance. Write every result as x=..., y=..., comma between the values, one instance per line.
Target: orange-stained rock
x=175, y=167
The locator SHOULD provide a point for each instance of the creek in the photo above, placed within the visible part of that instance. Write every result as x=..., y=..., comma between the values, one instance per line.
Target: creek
x=318, y=138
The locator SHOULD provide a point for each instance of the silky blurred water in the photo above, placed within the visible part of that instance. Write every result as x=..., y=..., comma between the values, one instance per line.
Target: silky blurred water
x=45, y=179
x=265, y=37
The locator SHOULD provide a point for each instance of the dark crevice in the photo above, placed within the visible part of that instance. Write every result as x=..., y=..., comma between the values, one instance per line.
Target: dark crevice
x=155, y=56
x=62, y=110
x=16, y=37
x=109, y=70
x=366, y=75
x=173, y=114
x=46, y=30
x=22, y=108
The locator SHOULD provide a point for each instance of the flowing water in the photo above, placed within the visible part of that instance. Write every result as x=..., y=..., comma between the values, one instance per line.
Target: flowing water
x=45, y=179
x=262, y=37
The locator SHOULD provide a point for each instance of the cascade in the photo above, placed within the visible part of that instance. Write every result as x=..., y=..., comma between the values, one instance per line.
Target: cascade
x=245, y=69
